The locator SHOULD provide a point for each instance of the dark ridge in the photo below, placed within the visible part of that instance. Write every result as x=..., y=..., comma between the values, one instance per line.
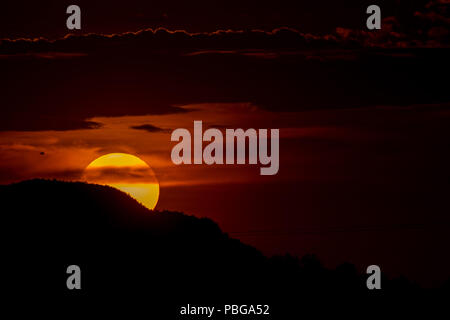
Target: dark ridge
x=167, y=259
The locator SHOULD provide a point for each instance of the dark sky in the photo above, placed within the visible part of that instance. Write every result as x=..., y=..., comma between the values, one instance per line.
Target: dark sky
x=47, y=18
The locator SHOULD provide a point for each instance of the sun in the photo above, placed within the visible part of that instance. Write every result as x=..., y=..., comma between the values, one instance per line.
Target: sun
x=127, y=173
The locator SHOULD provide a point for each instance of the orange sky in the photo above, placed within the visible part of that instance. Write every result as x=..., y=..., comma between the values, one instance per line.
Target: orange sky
x=364, y=135
x=66, y=153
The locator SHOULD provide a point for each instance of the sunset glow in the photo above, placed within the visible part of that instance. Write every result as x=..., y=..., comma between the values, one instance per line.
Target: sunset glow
x=127, y=173
x=153, y=132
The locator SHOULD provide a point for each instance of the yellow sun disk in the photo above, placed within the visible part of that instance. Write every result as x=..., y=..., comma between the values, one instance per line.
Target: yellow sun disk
x=117, y=160
x=147, y=194
x=142, y=185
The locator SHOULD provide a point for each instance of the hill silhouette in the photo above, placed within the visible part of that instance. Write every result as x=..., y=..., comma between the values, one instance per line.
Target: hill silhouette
x=128, y=253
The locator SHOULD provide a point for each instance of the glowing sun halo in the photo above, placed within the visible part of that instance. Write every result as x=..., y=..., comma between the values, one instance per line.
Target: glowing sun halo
x=127, y=173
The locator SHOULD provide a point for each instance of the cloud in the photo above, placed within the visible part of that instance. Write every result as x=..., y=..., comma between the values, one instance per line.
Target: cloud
x=106, y=175
x=43, y=55
x=150, y=128
x=312, y=19
x=175, y=40
x=39, y=122
x=409, y=28
x=414, y=26
x=63, y=84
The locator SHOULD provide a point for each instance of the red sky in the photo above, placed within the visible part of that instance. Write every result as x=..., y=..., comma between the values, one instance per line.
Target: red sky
x=363, y=117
